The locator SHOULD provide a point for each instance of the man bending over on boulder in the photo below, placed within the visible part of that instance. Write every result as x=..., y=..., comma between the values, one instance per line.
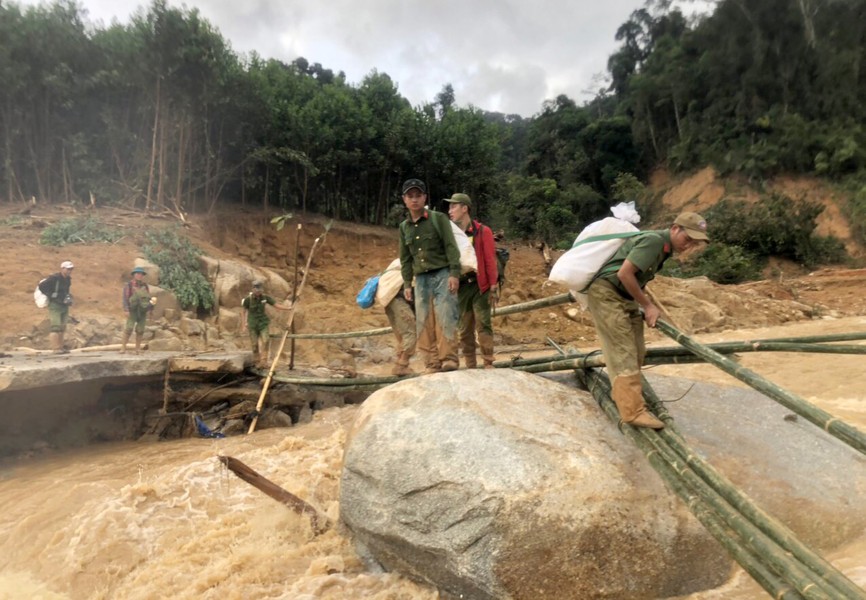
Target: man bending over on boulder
x=257, y=322
x=616, y=299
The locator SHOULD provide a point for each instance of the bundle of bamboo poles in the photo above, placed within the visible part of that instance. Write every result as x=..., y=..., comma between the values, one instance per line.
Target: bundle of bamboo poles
x=765, y=548
x=497, y=312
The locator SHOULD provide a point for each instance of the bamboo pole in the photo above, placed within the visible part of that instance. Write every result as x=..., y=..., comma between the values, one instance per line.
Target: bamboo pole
x=777, y=532
x=273, y=366
x=318, y=522
x=769, y=346
x=768, y=524
x=295, y=295
x=499, y=311
x=839, y=429
x=712, y=509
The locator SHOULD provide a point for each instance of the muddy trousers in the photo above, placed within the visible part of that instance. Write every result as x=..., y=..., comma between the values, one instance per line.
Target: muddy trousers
x=474, y=316
x=436, y=316
x=619, y=325
x=260, y=340
x=402, y=319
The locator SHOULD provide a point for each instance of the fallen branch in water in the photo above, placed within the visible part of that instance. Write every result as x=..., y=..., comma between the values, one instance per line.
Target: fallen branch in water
x=319, y=522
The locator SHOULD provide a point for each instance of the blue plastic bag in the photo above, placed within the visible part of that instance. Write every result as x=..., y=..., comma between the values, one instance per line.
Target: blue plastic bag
x=367, y=296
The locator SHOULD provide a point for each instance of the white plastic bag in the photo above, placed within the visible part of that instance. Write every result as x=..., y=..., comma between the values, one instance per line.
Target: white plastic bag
x=468, y=260
x=576, y=268
x=40, y=298
x=390, y=284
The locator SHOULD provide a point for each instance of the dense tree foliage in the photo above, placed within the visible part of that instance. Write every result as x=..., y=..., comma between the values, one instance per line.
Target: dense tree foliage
x=161, y=114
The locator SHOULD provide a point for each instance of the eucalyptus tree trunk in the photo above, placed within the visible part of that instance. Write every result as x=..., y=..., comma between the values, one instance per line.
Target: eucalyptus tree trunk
x=809, y=8
x=148, y=202
x=178, y=190
x=160, y=189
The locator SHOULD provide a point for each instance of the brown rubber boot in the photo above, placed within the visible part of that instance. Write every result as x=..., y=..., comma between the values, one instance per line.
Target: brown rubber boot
x=627, y=394
x=470, y=361
x=123, y=342
x=138, y=337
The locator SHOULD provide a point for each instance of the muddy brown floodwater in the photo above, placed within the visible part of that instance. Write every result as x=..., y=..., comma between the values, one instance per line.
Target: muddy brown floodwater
x=166, y=520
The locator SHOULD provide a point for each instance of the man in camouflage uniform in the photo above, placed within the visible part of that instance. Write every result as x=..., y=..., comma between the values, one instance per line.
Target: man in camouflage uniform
x=429, y=253
x=137, y=303
x=256, y=321
x=616, y=299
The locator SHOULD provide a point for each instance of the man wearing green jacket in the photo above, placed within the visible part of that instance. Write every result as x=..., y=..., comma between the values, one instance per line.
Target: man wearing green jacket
x=255, y=319
x=617, y=299
x=429, y=253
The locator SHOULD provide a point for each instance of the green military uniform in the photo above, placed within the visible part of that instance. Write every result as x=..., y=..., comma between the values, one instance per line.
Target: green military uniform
x=429, y=252
x=257, y=319
x=617, y=316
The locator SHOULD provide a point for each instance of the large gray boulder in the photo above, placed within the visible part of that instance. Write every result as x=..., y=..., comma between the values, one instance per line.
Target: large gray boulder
x=507, y=485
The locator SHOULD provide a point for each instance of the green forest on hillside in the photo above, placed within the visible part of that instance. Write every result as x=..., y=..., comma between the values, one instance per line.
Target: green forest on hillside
x=161, y=114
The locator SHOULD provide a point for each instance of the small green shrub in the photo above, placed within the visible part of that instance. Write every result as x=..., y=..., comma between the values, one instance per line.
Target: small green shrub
x=178, y=263
x=776, y=226
x=719, y=262
x=79, y=231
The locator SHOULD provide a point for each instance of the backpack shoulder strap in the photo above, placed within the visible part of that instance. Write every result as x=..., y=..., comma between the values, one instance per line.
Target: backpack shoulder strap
x=608, y=236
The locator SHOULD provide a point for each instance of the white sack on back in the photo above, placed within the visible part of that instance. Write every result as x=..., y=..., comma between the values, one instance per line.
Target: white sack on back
x=390, y=284
x=468, y=260
x=576, y=268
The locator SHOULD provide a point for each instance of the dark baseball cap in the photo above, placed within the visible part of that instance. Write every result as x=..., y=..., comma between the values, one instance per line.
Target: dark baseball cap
x=414, y=183
x=460, y=198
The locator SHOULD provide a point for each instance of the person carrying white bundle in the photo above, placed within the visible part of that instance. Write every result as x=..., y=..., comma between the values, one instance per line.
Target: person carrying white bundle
x=619, y=308
x=593, y=247
x=401, y=316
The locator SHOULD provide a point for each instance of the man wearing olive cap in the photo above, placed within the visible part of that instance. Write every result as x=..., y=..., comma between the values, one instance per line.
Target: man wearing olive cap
x=136, y=304
x=478, y=292
x=256, y=321
x=616, y=299
x=429, y=253
x=56, y=287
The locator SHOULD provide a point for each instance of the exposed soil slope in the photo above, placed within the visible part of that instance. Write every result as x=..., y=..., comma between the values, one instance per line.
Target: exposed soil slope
x=350, y=254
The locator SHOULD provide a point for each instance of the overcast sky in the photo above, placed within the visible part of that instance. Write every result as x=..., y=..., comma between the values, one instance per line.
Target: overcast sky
x=500, y=55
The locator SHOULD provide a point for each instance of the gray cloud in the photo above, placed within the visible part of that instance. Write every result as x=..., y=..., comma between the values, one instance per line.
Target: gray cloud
x=501, y=55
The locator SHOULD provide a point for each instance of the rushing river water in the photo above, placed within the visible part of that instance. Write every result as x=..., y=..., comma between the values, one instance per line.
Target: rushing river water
x=167, y=520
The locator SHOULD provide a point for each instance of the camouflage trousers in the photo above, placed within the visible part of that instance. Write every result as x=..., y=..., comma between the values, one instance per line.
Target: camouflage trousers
x=436, y=316
x=619, y=324
x=474, y=316
x=402, y=319
x=136, y=320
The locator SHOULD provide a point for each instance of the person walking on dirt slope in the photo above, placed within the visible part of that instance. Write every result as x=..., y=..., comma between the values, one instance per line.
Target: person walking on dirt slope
x=137, y=303
x=257, y=322
x=429, y=253
x=56, y=287
x=616, y=300
x=478, y=291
